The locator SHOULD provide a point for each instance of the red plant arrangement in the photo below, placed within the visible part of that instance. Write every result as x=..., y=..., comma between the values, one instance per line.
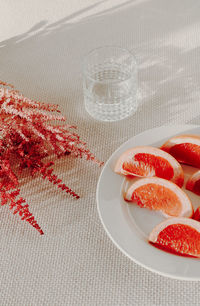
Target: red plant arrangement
x=29, y=133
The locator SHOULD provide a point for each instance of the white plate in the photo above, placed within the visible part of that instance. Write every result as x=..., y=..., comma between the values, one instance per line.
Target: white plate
x=128, y=226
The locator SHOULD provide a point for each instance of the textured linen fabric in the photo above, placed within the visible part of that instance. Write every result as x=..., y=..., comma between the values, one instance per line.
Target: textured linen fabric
x=75, y=263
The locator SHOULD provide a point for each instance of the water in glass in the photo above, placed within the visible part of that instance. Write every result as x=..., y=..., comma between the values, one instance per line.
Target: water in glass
x=110, y=84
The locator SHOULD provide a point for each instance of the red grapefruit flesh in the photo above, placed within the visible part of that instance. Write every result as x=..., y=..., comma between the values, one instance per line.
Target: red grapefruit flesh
x=148, y=162
x=196, y=215
x=185, y=148
x=178, y=235
x=161, y=195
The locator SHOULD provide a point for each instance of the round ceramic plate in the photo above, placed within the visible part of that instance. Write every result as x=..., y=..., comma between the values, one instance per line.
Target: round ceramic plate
x=129, y=226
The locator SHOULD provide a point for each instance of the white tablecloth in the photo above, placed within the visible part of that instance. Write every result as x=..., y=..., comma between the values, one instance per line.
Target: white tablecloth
x=41, y=49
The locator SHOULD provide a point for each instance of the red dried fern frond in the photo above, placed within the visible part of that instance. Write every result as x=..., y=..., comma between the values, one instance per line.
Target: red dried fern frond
x=29, y=132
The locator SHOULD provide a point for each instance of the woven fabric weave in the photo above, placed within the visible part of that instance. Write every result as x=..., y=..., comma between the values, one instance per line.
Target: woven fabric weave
x=75, y=263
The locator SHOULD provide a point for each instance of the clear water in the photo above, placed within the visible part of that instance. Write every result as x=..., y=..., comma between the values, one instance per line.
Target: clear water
x=112, y=97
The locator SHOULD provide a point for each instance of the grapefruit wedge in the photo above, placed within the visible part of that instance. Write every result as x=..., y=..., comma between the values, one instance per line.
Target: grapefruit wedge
x=177, y=235
x=193, y=183
x=161, y=195
x=185, y=148
x=149, y=161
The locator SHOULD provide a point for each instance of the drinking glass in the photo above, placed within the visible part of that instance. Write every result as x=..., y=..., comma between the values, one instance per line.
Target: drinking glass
x=110, y=83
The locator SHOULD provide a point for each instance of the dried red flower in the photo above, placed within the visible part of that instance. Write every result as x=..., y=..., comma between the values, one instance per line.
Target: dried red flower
x=29, y=132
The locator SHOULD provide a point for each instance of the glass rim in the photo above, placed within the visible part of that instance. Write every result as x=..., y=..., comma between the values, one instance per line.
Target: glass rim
x=106, y=47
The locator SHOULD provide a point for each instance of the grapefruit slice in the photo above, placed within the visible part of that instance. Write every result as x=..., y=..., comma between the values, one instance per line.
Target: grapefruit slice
x=161, y=195
x=149, y=161
x=177, y=235
x=193, y=184
x=185, y=148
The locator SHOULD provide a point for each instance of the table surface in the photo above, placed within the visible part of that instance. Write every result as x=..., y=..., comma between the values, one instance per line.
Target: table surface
x=42, y=44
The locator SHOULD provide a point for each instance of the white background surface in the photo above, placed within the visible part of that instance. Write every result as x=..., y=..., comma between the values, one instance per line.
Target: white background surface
x=41, y=49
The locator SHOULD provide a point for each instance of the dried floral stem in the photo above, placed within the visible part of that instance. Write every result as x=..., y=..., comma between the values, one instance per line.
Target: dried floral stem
x=19, y=208
x=48, y=173
x=29, y=132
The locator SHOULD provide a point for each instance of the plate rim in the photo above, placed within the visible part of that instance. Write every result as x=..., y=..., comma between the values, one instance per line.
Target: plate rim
x=165, y=274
